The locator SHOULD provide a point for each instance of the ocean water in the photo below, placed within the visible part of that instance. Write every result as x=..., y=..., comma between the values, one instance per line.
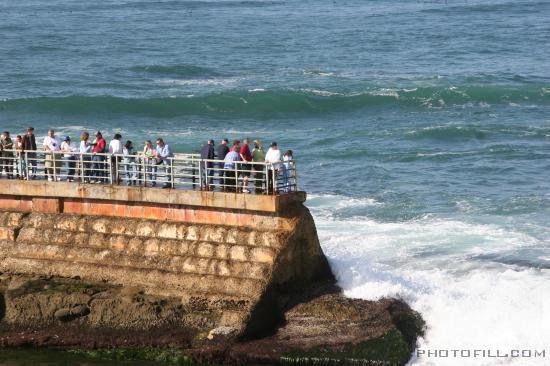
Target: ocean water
x=421, y=129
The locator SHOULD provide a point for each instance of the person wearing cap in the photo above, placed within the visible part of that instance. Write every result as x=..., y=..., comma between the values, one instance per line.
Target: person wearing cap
x=273, y=158
x=68, y=148
x=6, y=153
x=258, y=159
x=52, y=164
x=98, y=159
x=221, y=152
x=29, y=152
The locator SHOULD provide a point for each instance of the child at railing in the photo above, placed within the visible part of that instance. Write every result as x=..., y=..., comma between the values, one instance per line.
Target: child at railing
x=68, y=149
x=129, y=160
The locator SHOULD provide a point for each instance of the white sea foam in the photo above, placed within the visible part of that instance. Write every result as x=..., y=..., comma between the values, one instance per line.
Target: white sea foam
x=198, y=82
x=322, y=93
x=436, y=266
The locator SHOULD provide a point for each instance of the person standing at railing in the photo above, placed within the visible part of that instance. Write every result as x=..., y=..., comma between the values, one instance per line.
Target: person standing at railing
x=163, y=156
x=85, y=149
x=207, y=153
x=246, y=157
x=115, y=148
x=51, y=148
x=273, y=158
x=20, y=159
x=99, y=148
x=258, y=156
x=69, y=149
x=129, y=160
x=148, y=153
x=221, y=152
x=230, y=167
x=29, y=147
x=7, y=155
x=288, y=169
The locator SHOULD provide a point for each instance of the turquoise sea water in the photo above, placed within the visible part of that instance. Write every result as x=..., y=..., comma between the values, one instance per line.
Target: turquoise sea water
x=422, y=130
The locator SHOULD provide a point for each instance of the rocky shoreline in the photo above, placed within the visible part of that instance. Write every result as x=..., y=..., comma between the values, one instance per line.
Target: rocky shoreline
x=318, y=326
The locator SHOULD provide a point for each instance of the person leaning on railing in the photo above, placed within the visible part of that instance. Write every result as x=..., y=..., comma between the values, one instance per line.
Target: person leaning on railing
x=51, y=147
x=6, y=154
x=69, y=149
x=129, y=160
x=163, y=156
x=230, y=165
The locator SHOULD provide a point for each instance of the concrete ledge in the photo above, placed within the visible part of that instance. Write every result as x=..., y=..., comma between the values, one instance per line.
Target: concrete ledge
x=113, y=193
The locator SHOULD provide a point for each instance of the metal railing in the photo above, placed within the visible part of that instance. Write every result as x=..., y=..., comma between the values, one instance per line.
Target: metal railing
x=182, y=171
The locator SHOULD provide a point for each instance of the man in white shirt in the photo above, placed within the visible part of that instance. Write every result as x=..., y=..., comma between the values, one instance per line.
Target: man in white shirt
x=115, y=148
x=69, y=148
x=273, y=158
x=52, y=163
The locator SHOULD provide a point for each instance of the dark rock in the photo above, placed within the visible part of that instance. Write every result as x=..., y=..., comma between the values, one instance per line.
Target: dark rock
x=80, y=310
x=63, y=315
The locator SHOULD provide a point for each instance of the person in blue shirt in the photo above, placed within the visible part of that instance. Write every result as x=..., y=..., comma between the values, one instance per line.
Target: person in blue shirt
x=229, y=167
x=163, y=156
x=207, y=171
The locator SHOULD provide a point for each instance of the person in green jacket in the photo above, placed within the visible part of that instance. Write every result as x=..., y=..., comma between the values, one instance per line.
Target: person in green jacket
x=258, y=156
x=7, y=160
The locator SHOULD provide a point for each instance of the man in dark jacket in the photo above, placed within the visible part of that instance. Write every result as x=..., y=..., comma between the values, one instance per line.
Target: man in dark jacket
x=223, y=149
x=207, y=153
x=29, y=146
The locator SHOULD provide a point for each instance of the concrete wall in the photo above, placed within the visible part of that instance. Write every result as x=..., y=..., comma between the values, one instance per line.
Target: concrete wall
x=230, y=253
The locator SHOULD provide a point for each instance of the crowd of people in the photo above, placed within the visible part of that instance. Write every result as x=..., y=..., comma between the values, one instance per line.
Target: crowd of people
x=229, y=167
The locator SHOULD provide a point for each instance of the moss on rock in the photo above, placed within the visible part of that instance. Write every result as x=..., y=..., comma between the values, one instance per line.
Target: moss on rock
x=390, y=349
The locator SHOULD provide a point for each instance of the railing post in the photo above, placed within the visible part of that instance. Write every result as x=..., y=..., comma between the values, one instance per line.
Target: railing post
x=295, y=177
x=274, y=180
x=144, y=170
x=110, y=168
x=81, y=162
x=27, y=166
x=236, y=178
x=172, y=179
x=54, y=166
x=200, y=173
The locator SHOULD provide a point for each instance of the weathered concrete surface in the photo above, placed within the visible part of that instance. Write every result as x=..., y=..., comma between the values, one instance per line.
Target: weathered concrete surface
x=22, y=191
x=234, y=272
